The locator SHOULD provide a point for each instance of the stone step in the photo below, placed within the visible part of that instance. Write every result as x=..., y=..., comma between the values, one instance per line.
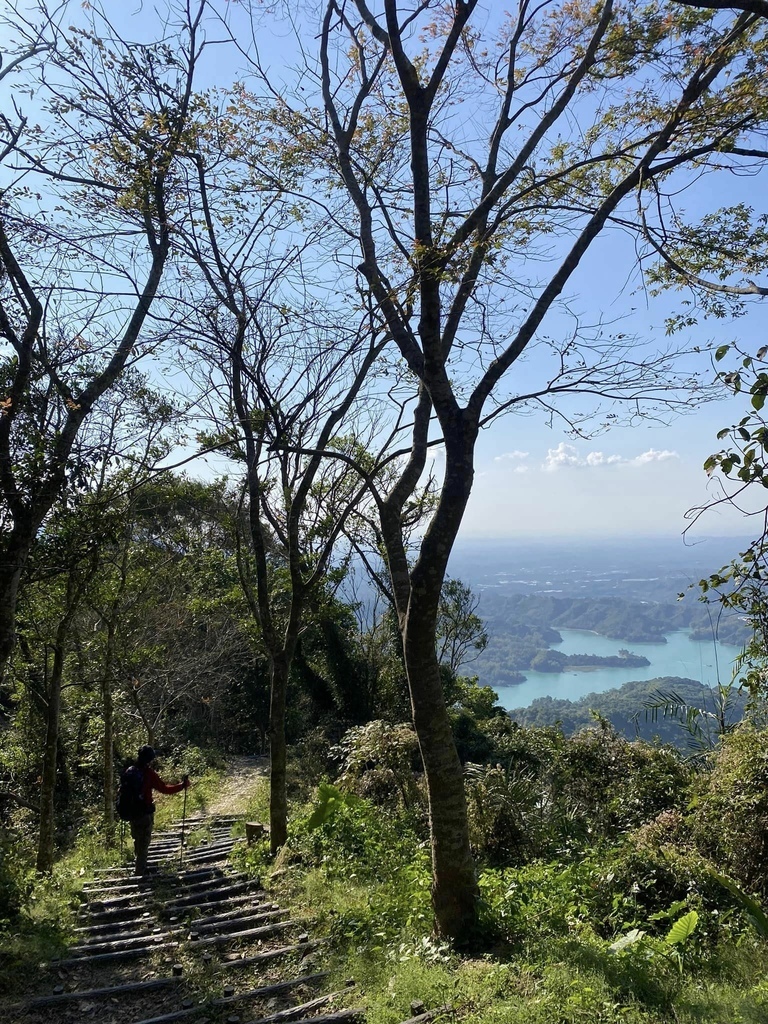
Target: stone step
x=222, y=926
x=222, y=892
x=306, y=1011
x=129, y=882
x=232, y=915
x=114, y=916
x=138, y=942
x=270, y=954
x=144, y=918
x=201, y=848
x=116, y=956
x=116, y=935
x=231, y=901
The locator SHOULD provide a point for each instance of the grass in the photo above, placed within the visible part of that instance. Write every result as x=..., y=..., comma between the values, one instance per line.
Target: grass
x=43, y=928
x=363, y=881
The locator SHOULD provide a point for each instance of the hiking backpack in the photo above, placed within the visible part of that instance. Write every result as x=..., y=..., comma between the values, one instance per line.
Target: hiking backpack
x=130, y=802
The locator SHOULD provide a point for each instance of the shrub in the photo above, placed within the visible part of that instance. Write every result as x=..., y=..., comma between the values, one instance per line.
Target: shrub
x=556, y=795
x=379, y=762
x=309, y=761
x=192, y=761
x=616, y=785
x=16, y=874
x=510, y=820
x=730, y=810
x=366, y=873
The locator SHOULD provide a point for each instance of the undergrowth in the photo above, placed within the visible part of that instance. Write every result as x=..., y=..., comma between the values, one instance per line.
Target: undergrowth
x=586, y=942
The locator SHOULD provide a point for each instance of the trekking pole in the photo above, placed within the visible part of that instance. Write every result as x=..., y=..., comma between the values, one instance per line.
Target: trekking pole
x=183, y=820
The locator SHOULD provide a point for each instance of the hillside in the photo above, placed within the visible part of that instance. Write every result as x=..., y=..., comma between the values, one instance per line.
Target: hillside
x=623, y=707
x=613, y=617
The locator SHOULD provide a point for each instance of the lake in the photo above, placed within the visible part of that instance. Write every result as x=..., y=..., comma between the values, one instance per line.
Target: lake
x=705, y=662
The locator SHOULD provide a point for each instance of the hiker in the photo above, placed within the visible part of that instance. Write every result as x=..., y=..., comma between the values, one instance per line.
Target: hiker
x=136, y=785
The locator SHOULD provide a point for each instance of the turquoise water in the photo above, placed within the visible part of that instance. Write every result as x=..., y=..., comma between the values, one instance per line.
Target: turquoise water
x=705, y=662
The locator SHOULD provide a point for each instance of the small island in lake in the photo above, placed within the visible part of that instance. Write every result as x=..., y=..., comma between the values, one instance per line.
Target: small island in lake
x=556, y=661
x=511, y=677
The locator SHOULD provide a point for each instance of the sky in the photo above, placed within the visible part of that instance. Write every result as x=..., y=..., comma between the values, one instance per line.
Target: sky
x=533, y=478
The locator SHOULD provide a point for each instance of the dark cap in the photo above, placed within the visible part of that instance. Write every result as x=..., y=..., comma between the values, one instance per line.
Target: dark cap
x=146, y=755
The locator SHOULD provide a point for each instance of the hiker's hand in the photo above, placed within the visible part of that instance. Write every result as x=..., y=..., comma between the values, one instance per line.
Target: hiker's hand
x=185, y=780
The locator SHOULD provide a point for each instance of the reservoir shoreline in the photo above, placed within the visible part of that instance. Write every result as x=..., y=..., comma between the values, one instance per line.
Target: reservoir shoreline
x=706, y=662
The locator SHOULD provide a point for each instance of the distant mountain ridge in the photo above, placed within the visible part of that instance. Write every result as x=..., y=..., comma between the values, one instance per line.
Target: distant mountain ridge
x=634, y=568
x=613, y=617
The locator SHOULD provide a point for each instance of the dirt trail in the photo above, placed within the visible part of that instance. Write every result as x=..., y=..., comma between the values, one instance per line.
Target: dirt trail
x=238, y=785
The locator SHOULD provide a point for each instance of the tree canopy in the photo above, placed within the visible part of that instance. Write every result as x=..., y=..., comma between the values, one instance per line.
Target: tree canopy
x=336, y=277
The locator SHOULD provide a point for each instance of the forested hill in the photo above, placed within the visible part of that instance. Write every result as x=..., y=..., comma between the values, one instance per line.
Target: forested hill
x=623, y=707
x=613, y=617
x=523, y=628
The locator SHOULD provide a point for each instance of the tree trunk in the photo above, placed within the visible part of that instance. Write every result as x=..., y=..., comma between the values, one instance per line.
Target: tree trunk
x=108, y=745
x=45, y=846
x=454, y=880
x=48, y=784
x=278, y=798
x=10, y=575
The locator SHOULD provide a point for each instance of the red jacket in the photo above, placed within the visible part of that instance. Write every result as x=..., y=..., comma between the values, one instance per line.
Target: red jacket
x=153, y=781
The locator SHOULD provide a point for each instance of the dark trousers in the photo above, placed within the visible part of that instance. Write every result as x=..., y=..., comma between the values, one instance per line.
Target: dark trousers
x=141, y=832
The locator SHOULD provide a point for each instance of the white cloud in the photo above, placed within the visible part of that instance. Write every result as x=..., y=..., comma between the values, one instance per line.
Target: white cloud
x=521, y=469
x=563, y=455
x=599, y=459
x=511, y=456
x=566, y=455
x=654, y=456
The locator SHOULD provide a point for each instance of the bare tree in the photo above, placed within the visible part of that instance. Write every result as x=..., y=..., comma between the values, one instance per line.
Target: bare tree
x=461, y=635
x=469, y=229
x=287, y=382
x=82, y=259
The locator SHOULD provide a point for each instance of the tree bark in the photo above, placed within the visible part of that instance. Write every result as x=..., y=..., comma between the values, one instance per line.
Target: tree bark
x=454, y=880
x=75, y=586
x=9, y=589
x=455, y=891
x=108, y=745
x=278, y=800
x=45, y=844
x=14, y=557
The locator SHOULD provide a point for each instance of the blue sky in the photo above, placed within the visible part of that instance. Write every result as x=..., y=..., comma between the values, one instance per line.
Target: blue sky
x=534, y=479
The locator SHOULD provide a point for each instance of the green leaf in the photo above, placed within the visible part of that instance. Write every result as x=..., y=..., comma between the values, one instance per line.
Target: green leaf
x=755, y=912
x=721, y=352
x=627, y=940
x=663, y=915
x=319, y=816
x=758, y=401
x=682, y=929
